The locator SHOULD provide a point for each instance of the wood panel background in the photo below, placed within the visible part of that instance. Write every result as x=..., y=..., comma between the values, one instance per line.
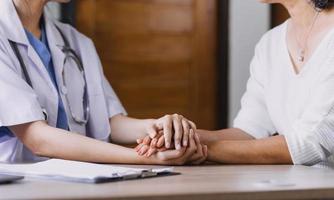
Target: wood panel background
x=159, y=55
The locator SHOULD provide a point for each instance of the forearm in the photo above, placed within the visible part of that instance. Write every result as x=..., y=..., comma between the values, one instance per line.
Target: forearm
x=224, y=134
x=272, y=150
x=125, y=130
x=51, y=142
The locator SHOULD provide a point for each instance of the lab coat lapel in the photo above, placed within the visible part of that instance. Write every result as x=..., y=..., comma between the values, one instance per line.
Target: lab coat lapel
x=14, y=31
x=11, y=23
x=36, y=60
x=56, y=43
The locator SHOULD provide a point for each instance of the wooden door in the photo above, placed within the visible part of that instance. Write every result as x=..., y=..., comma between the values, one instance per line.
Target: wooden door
x=159, y=55
x=278, y=15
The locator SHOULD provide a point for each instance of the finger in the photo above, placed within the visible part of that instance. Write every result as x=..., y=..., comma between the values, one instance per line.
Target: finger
x=161, y=141
x=199, y=151
x=143, y=150
x=172, y=154
x=192, y=145
x=199, y=161
x=162, y=149
x=139, y=141
x=154, y=143
x=177, y=124
x=186, y=130
x=147, y=140
x=202, y=158
x=168, y=131
x=160, y=124
x=152, y=131
x=138, y=147
x=151, y=151
x=197, y=140
x=193, y=125
x=205, y=151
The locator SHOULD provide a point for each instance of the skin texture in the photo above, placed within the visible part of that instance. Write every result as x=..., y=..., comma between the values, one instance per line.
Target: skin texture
x=234, y=146
x=47, y=141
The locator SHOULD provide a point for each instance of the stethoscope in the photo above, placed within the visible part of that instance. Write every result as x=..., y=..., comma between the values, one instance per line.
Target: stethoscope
x=70, y=54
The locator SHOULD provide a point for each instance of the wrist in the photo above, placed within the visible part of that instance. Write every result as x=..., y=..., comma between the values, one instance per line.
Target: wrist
x=204, y=136
x=143, y=127
x=152, y=160
x=148, y=126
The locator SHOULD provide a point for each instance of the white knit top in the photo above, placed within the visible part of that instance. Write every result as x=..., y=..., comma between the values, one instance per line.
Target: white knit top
x=298, y=106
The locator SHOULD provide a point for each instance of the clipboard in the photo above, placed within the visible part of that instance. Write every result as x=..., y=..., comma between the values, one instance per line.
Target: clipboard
x=6, y=179
x=81, y=172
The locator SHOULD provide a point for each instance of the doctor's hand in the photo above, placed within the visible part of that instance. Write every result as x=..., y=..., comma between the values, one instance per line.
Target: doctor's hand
x=169, y=130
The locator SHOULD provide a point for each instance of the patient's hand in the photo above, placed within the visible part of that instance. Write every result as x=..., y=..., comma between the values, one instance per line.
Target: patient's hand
x=148, y=147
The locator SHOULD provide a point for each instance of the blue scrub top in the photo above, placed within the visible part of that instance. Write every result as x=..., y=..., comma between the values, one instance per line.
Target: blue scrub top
x=42, y=49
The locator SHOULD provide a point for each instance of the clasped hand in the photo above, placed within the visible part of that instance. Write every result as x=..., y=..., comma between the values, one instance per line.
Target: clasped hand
x=172, y=140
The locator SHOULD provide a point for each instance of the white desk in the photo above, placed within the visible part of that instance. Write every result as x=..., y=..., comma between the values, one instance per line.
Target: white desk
x=195, y=183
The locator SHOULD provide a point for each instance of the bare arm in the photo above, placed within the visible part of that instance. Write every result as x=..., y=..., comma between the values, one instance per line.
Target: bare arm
x=224, y=134
x=126, y=130
x=47, y=141
x=234, y=146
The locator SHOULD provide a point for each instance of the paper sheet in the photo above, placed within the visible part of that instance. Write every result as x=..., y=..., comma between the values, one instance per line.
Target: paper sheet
x=67, y=170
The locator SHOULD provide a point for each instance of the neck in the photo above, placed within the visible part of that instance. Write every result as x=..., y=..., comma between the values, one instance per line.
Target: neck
x=302, y=12
x=30, y=13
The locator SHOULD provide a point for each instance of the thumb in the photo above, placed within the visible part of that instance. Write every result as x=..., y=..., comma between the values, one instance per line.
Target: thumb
x=172, y=154
x=152, y=131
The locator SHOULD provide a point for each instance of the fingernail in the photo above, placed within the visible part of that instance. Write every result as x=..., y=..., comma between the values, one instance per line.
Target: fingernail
x=185, y=143
x=178, y=146
x=167, y=145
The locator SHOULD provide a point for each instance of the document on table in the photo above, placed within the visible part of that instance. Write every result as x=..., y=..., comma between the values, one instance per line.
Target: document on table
x=75, y=171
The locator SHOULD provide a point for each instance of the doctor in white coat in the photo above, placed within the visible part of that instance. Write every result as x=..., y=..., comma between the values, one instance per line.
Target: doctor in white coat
x=55, y=101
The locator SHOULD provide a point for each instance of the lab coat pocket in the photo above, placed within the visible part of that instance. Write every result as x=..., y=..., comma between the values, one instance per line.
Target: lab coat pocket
x=98, y=124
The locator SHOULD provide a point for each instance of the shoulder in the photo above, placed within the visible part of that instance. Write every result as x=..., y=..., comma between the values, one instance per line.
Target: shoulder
x=267, y=52
x=73, y=34
x=273, y=37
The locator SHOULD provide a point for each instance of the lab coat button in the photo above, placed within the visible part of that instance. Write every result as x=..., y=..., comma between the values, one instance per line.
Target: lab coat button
x=64, y=90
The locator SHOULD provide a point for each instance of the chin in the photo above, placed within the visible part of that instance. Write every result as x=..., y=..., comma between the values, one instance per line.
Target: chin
x=61, y=1
x=269, y=1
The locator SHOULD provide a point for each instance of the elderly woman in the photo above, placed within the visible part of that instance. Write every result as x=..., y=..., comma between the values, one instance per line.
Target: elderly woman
x=287, y=113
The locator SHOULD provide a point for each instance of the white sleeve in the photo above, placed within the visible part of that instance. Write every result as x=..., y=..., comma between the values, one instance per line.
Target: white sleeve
x=18, y=101
x=311, y=138
x=253, y=117
x=114, y=105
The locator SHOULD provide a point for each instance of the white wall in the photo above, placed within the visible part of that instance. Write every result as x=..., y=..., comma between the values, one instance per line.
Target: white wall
x=248, y=20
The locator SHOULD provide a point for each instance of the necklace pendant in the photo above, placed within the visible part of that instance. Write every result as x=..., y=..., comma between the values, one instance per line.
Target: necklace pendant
x=301, y=56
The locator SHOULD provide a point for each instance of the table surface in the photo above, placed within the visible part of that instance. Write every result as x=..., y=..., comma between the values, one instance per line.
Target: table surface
x=202, y=183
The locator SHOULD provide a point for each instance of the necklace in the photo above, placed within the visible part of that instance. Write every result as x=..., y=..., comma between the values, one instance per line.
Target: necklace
x=303, y=45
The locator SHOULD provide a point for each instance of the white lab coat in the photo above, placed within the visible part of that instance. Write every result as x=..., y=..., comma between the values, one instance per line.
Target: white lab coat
x=20, y=104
